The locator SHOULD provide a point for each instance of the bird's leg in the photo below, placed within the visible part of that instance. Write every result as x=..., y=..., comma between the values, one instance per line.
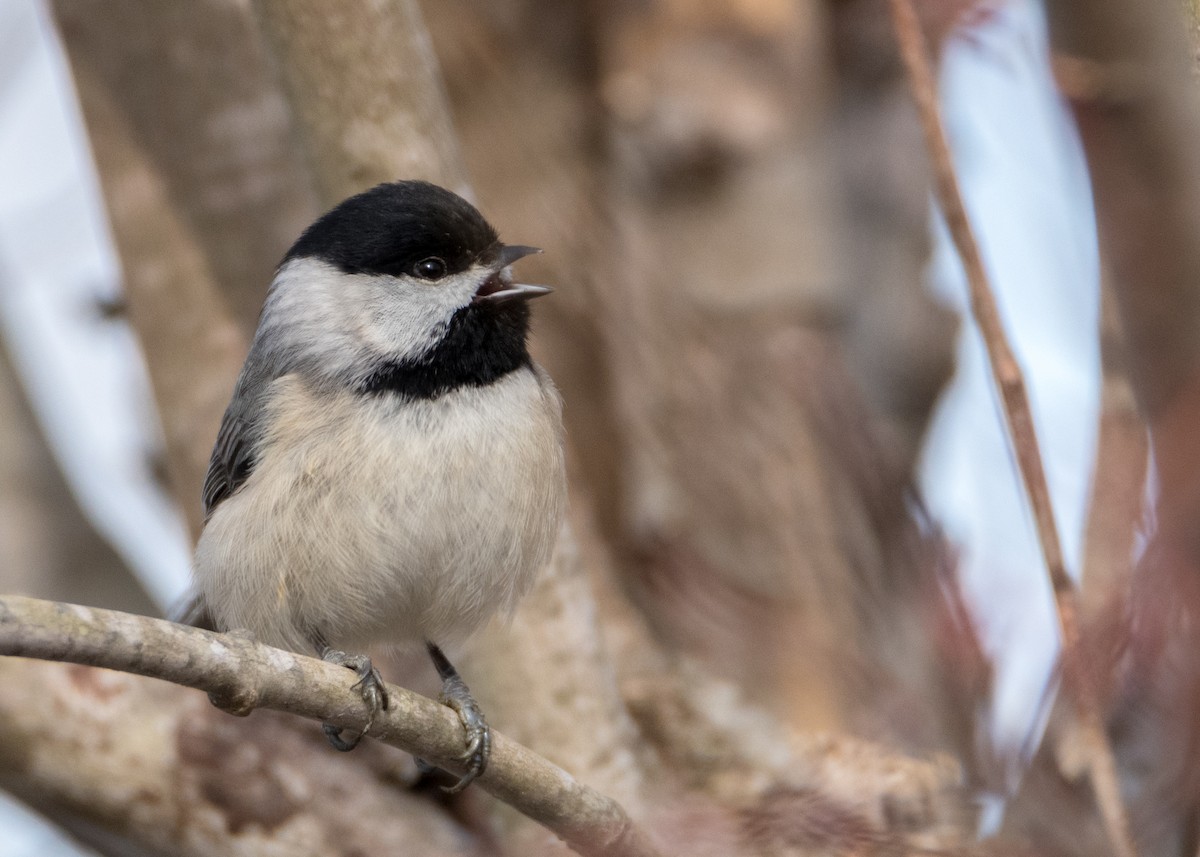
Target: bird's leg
x=369, y=684
x=457, y=695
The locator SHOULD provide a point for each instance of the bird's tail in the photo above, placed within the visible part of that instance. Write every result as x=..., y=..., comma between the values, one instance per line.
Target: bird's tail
x=192, y=610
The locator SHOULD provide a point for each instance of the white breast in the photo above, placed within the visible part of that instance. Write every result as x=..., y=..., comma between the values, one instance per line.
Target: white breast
x=370, y=519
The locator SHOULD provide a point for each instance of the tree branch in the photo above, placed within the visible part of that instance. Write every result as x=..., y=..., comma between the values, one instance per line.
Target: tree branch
x=1006, y=373
x=242, y=675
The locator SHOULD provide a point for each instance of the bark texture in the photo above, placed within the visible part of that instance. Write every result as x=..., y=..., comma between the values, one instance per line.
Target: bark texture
x=366, y=91
x=241, y=676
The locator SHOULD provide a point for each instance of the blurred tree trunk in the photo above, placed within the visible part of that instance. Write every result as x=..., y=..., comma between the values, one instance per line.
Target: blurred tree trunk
x=174, y=303
x=677, y=157
x=199, y=102
x=1131, y=83
x=47, y=548
x=364, y=86
x=204, y=192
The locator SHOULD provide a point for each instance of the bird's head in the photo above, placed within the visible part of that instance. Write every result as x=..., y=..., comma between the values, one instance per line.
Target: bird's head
x=405, y=275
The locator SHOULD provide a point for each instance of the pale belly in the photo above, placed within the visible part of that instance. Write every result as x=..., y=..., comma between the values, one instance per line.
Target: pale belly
x=367, y=520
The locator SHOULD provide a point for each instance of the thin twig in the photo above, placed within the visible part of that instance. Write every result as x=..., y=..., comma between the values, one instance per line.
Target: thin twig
x=244, y=675
x=1017, y=412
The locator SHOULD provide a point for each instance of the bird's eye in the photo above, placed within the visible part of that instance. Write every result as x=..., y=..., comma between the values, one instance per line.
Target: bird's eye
x=432, y=268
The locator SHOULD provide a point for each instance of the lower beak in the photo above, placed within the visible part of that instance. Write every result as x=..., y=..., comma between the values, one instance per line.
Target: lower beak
x=495, y=292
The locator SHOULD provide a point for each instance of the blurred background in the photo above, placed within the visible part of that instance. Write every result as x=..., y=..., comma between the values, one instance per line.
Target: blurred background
x=800, y=557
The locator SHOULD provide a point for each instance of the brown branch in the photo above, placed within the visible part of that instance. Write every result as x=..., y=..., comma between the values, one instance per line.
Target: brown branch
x=245, y=675
x=131, y=765
x=1019, y=416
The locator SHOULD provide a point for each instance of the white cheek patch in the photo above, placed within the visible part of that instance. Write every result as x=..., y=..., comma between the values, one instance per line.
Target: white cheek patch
x=411, y=316
x=346, y=321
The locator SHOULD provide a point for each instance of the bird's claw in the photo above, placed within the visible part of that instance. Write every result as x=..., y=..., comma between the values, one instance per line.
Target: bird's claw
x=334, y=735
x=457, y=696
x=369, y=685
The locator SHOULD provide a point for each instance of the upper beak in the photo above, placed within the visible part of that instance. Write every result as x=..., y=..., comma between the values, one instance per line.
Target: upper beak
x=496, y=291
x=510, y=253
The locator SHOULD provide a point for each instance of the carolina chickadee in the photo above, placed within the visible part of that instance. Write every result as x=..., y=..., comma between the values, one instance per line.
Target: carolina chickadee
x=390, y=467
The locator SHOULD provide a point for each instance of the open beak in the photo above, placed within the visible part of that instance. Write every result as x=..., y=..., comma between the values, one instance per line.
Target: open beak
x=495, y=291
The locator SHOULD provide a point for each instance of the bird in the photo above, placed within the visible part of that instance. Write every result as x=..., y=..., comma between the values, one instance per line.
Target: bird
x=390, y=469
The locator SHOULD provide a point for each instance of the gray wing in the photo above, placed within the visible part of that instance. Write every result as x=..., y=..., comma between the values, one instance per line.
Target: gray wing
x=231, y=464
x=232, y=461
x=236, y=450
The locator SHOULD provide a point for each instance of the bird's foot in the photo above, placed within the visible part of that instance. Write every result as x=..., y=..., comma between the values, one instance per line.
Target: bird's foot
x=457, y=696
x=370, y=685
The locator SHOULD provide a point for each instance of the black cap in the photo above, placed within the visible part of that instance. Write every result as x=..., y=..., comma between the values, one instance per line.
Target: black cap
x=391, y=227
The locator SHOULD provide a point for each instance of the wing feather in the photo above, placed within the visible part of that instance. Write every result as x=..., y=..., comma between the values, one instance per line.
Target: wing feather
x=235, y=453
